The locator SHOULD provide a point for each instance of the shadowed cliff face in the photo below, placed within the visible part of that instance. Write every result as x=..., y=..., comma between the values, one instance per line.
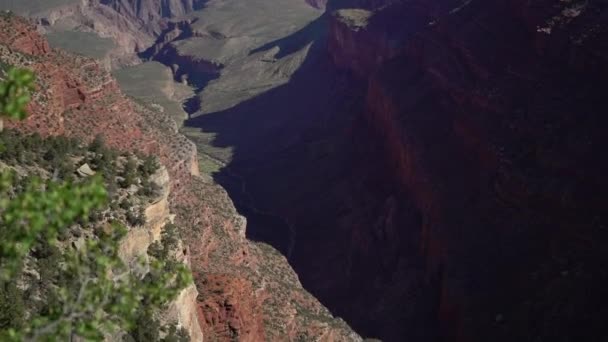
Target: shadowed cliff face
x=445, y=181
x=310, y=178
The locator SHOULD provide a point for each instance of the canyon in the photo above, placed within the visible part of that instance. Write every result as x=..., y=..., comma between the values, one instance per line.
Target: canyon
x=431, y=170
x=244, y=290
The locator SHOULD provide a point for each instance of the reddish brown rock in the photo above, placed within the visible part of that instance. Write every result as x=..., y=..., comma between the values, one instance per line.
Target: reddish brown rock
x=247, y=291
x=488, y=115
x=25, y=40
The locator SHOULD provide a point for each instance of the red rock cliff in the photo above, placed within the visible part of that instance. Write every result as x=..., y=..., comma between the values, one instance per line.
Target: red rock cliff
x=489, y=115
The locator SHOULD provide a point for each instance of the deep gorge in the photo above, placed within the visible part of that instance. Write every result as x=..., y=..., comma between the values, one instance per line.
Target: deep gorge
x=391, y=212
x=402, y=248
x=432, y=170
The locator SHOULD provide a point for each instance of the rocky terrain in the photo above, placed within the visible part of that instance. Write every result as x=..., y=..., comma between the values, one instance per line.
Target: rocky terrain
x=247, y=291
x=433, y=170
x=488, y=118
x=130, y=25
x=450, y=152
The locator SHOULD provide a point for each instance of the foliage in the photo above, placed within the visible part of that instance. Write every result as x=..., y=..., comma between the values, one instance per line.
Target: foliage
x=149, y=166
x=42, y=210
x=94, y=291
x=129, y=173
x=177, y=335
x=12, y=308
x=168, y=242
x=15, y=92
x=137, y=218
x=50, y=152
x=146, y=329
x=86, y=290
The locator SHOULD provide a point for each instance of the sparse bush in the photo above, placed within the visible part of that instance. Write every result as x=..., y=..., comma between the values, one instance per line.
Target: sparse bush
x=146, y=329
x=168, y=242
x=148, y=189
x=129, y=173
x=176, y=335
x=97, y=145
x=149, y=166
x=126, y=204
x=137, y=218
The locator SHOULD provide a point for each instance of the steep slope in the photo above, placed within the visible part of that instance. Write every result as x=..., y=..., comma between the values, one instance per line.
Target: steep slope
x=446, y=182
x=247, y=291
x=139, y=205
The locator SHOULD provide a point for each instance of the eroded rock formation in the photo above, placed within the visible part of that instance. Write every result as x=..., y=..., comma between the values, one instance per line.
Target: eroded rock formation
x=246, y=291
x=488, y=119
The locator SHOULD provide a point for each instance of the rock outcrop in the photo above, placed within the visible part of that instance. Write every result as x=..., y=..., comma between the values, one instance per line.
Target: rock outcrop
x=157, y=214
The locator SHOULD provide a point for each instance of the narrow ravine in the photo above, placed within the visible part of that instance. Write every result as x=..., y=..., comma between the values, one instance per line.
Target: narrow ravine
x=262, y=225
x=260, y=222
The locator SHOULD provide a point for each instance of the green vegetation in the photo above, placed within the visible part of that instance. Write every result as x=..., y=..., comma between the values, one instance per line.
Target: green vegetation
x=168, y=243
x=15, y=92
x=53, y=153
x=137, y=218
x=53, y=285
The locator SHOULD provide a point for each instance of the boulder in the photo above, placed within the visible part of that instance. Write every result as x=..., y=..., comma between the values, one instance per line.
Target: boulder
x=85, y=171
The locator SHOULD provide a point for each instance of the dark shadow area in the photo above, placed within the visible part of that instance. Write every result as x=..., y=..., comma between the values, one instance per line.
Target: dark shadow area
x=306, y=174
x=296, y=41
x=264, y=127
x=192, y=105
x=198, y=80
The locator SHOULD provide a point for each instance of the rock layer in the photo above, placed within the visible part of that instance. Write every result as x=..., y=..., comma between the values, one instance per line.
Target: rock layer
x=247, y=291
x=488, y=116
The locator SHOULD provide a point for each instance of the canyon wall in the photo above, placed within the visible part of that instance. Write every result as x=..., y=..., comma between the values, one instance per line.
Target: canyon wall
x=246, y=291
x=150, y=12
x=488, y=116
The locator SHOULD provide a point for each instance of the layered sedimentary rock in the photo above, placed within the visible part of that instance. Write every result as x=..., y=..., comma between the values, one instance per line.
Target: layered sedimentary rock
x=246, y=290
x=488, y=119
